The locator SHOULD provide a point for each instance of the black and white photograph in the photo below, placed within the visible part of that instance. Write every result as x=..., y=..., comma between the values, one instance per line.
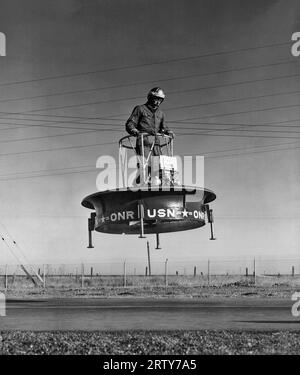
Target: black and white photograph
x=149, y=181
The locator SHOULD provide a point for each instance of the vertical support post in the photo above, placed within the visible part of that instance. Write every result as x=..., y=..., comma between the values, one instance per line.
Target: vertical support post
x=82, y=275
x=149, y=263
x=90, y=245
x=141, y=212
x=254, y=271
x=195, y=271
x=166, y=273
x=91, y=228
x=6, y=278
x=124, y=273
x=157, y=242
x=91, y=272
x=44, y=276
x=293, y=271
x=208, y=272
x=210, y=219
x=246, y=271
x=146, y=271
x=143, y=161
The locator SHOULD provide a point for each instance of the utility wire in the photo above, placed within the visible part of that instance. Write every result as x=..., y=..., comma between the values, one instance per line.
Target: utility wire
x=57, y=148
x=15, y=174
x=133, y=84
x=236, y=135
x=170, y=93
x=176, y=108
x=128, y=67
x=185, y=120
x=94, y=170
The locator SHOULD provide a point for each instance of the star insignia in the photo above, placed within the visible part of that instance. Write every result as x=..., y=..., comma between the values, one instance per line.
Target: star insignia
x=184, y=213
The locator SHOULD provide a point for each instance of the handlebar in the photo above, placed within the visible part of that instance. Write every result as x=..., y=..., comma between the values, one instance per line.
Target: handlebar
x=160, y=135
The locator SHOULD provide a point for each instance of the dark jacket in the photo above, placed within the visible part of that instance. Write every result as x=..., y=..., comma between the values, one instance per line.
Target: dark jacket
x=146, y=120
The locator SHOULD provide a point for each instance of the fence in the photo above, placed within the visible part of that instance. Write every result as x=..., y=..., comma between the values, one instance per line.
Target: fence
x=209, y=272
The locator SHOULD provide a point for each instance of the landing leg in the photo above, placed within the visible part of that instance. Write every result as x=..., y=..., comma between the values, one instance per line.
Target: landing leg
x=211, y=220
x=91, y=227
x=157, y=242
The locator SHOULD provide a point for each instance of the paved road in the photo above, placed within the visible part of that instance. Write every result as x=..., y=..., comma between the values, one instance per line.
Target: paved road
x=148, y=314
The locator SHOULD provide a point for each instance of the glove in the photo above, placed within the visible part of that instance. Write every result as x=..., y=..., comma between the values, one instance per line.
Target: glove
x=135, y=132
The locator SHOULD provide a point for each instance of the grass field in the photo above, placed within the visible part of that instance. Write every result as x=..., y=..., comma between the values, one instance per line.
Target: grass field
x=217, y=285
x=150, y=343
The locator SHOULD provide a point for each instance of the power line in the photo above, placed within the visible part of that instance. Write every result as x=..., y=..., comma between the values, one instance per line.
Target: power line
x=211, y=133
x=234, y=100
x=93, y=130
x=185, y=120
x=3, y=177
x=48, y=175
x=49, y=136
x=272, y=123
x=252, y=147
x=56, y=149
x=243, y=130
x=201, y=104
x=170, y=93
x=184, y=106
x=127, y=67
x=178, y=107
x=236, y=135
x=254, y=152
x=145, y=82
x=15, y=174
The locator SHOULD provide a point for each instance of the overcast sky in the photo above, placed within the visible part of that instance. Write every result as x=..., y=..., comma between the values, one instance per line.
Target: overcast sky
x=223, y=65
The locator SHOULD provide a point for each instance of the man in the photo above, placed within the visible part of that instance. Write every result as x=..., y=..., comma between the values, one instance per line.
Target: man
x=148, y=118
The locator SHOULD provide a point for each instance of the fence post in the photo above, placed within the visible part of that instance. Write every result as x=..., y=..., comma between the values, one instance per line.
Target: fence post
x=91, y=272
x=246, y=271
x=166, y=273
x=208, y=272
x=82, y=275
x=254, y=271
x=293, y=271
x=44, y=276
x=6, y=279
x=146, y=271
x=124, y=273
x=195, y=271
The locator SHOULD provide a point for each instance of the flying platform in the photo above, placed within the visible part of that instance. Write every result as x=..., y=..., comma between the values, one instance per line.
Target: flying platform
x=147, y=208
